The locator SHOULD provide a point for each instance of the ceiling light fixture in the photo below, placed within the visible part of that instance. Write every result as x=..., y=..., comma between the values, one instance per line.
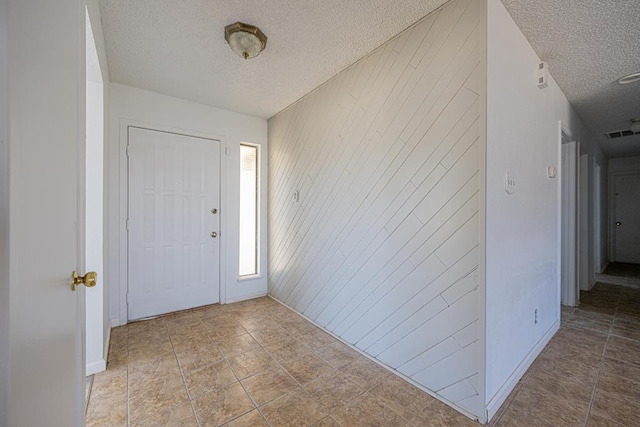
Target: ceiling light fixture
x=635, y=126
x=245, y=40
x=631, y=78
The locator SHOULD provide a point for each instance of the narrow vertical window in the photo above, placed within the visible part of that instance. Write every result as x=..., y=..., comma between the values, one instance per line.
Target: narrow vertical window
x=248, y=210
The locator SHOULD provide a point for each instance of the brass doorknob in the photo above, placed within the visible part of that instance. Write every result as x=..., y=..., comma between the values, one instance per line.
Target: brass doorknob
x=89, y=280
x=214, y=234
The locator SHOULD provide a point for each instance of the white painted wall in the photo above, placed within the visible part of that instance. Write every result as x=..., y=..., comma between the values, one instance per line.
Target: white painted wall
x=129, y=105
x=382, y=248
x=624, y=164
x=4, y=220
x=93, y=9
x=95, y=342
x=94, y=229
x=522, y=264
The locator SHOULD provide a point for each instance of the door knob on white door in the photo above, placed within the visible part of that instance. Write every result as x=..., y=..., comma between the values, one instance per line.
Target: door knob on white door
x=89, y=280
x=214, y=234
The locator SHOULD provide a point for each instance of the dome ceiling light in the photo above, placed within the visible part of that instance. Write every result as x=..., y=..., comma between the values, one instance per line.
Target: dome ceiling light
x=245, y=40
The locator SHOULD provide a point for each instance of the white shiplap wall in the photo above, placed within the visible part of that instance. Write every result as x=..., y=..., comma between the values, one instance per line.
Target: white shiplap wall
x=382, y=248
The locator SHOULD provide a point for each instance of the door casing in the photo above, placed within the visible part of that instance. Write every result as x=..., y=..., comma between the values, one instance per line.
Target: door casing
x=569, y=230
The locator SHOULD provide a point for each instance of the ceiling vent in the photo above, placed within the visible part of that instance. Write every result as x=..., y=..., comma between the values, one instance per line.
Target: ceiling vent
x=620, y=134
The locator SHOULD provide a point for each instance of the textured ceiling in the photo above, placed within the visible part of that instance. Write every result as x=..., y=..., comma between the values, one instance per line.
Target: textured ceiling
x=589, y=45
x=177, y=47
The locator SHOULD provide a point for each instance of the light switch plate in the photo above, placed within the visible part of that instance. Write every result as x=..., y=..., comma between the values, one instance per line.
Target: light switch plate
x=509, y=183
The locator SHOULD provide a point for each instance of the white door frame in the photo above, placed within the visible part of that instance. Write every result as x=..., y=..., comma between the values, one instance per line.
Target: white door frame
x=569, y=173
x=597, y=217
x=124, y=208
x=584, y=260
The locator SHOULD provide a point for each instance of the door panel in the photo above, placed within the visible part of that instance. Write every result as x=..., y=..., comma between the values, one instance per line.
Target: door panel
x=583, y=223
x=627, y=214
x=46, y=141
x=570, y=219
x=174, y=184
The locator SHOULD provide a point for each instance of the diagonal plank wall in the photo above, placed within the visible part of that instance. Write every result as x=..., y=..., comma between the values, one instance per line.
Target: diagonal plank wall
x=382, y=248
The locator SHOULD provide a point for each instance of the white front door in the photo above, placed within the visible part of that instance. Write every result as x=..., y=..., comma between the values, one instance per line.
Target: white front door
x=627, y=217
x=173, y=244
x=46, y=147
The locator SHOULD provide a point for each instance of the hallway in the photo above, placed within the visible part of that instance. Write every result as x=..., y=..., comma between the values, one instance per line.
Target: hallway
x=256, y=363
x=619, y=273
x=589, y=374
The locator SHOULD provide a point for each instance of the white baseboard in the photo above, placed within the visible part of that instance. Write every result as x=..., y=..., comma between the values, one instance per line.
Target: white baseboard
x=107, y=342
x=115, y=322
x=101, y=365
x=246, y=297
x=603, y=268
x=498, y=399
x=379, y=363
x=95, y=367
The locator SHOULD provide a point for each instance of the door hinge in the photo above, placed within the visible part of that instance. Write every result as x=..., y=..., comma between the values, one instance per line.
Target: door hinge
x=127, y=150
x=127, y=297
x=127, y=224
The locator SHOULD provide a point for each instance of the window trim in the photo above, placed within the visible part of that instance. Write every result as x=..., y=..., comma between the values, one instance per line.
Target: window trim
x=257, y=272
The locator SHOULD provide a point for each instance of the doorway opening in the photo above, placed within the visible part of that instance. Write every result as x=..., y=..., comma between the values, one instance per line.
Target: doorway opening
x=570, y=218
x=96, y=321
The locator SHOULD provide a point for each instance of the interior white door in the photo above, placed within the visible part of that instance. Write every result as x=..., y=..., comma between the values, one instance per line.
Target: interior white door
x=173, y=243
x=583, y=223
x=46, y=140
x=627, y=217
x=570, y=235
x=597, y=218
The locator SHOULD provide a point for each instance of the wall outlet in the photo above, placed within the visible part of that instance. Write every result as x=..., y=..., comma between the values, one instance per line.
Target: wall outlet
x=535, y=316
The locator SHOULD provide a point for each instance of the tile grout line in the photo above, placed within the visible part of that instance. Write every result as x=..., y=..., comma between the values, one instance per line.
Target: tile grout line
x=602, y=361
x=287, y=372
x=315, y=353
x=255, y=404
x=375, y=360
x=184, y=379
x=300, y=385
x=292, y=332
x=128, y=396
x=257, y=407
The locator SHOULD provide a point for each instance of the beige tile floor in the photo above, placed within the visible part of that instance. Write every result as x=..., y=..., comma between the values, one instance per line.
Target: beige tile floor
x=256, y=363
